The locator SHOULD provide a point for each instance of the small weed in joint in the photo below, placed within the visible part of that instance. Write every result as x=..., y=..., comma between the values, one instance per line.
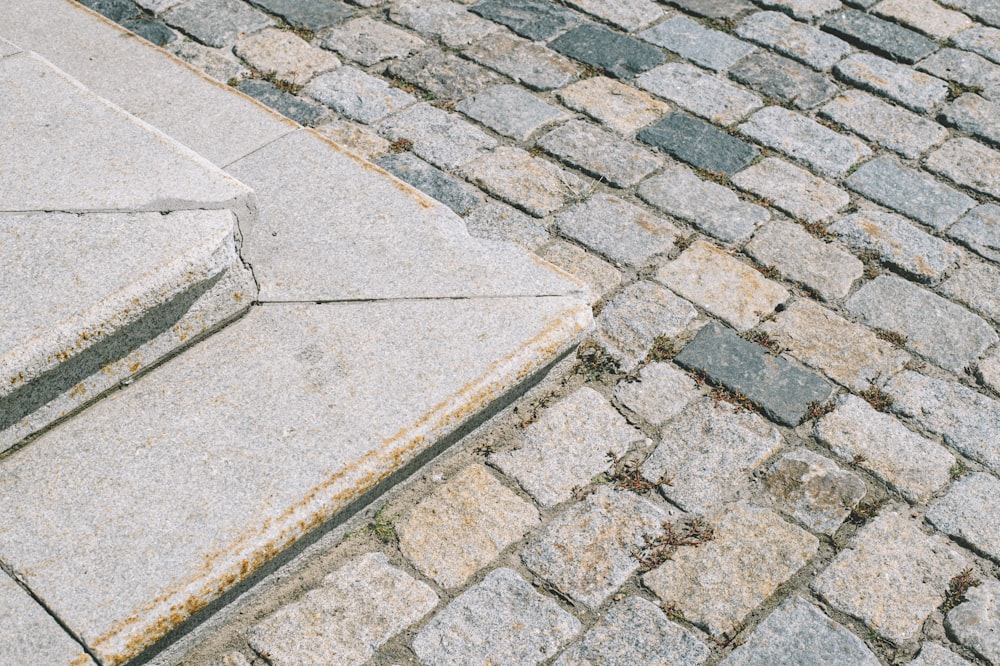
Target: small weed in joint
x=897, y=340
x=664, y=349
x=957, y=470
x=735, y=398
x=684, y=242
x=626, y=476
x=400, y=146
x=862, y=513
x=761, y=338
x=817, y=410
x=382, y=528
x=714, y=176
x=817, y=230
x=657, y=550
x=957, y=587
x=876, y=397
x=770, y=272
x=594, y=363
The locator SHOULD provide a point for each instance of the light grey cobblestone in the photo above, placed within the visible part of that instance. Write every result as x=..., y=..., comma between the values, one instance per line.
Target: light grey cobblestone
x=980, y=231
x=717, y=9
x=988, y=371
x=357, y=95
x=448, y=21
x=219, y=65
x=783, y=79
x=620, y=107
x=497, y=221
x=968, y=163
x=982, y=10
x=510, y=111
x=983, y=40
x=629, y=15
x=217, y=22
x=926, y=16
x=798, y=41
x=932, y=654
x=599, y=153
x=356, y=138
x=915, y=90
x=291, y=58
x=976, y=622
x=814, y=490
x=700, y=93
x=975, y=115
x=600, y=276
x=793, y=190
x=976, y=285
x=693, y=41
x=803, y=10
x=526, y=62
x=661, y=392
x=887, y=125
x=967, y=69
x=443, y=75
x=367, y=42
x=967, y=513
x=882, y=37
x=441, y=138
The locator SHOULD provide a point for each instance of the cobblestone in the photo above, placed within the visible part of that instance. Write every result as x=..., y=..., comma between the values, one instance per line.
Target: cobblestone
x=932, y=654
x=534, y=65
x=784, y=80
x=783, y=391
x=913, y=252
x=805, y=140
x=712, y=208
x=448, y=21
x=635, y=631
x=803, y=10
x=980, y=230
x=356, y=95
x=116, y=10
x=709, y=452
x=586, y=551
x=441, y=138
x=966, y=513
x=988, y=371
x=624, y=233
x=368, y=42
x=661, y=392
x=846, y=352
x=909, y=192
x=700, y=93
x=499, y=221
x=976, y=622
x=983, y=10
x=719, y=9
x=300, y=110
x=534, y=19
x=693, y=41
x=916, y=91
x=966, y=69
x=754, y=567
x=152, y=30
x=453, y=193
x=600, y=276
x=968, y=163
x=822, y=267
x=217, y=22
x=882, y=37
x=924, y=15
x=982, y=40
x=536, y=186
x=620, y=107
x=567, y=447
x=793, y=190
x=308, y=14
x=799, y=634
x=617, y=55
x=501, y=620
x=220, y=66
x=510, y=111
x=629, y=15
x=291, y=58
x=976, y=285
x=888, y=555
x=698, y=143
x=599, y=153
x=798, y=41
x=443, y=75
x=357, y=138
x=631, y=322
x=975, y=115
x=814, y=490
x=887, y=125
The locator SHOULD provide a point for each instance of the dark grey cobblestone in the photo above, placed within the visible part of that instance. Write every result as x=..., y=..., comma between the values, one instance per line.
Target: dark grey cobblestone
x=698, y=143
x=116, y=10
x=617, y=55
x=300, y=110
x=455, y=194
x=882, y=37
x=534, y=19
x=690, y=39
x=782, y=79
x=152, y=30
x=312, y=15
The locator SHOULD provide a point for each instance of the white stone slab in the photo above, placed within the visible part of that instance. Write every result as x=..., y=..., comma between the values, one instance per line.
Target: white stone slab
x=28, y=634
x=141, y=510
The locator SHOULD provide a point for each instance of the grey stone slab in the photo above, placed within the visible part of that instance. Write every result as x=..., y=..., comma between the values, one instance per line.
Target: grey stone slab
x=629, y=15
x=498, y=221
x=586, y=551
x=799, y=41
x=567, y=447
x=915, y=90
x=977, y=284
x=308, y=14
x=726, y=287
x=367, y=42
x=891, y=554
x=798, y=632
x=284, y=56
x=358, y=607
x=947, y=334
x=823, y=267
x=783, y=79
x=600, y=276
x=659, y=393
x=443, y=74
x=793, y=190
x=983, y=10
x=510, y=111
x=719, y=9
x=632, y=321
x=633, y=632
x=782, y=390
x=441, y=138
x=614, y=54
x=967, y=69
x=887, y=125
x=30, y=635
x=911, y=251
x=623, y=232
x=620, y=107
x=357, y=95
x=975, y=623
x=975, y=115
x=693, y=41
x=912, y=193
x=968, y=421
x=698, y=143
x=882, y=37
x=803, y=10
x=980, y=230
x=710, y=207
x=252, y=466
x=932, y=654
x=217, y=22
x=300, y=110
x=805, y=140
x=982, y=40
x=709, y=452
x=968, y=513
x=599, y=153
x=535, y=19
x=453, y=193
x=501, y=620
x=448, y=21
x=968, y=163
x=700, y=93
x=533, y=65
x=814, y=490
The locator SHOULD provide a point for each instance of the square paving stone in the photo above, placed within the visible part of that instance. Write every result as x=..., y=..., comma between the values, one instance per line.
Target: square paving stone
x=823, y=267
x=915, y=90
x=501, y=620
x=463, y=525
x=975, y=115
x=976, y=622
x=620, y=107
x=596, y=273
x=700, y=93
x=498, y=221
x=712, y=208
x=535, y=19
x=368, y=42
x=567, y=447
x=623, y=232
x=848, y=353
x=709, y=452
x=783, y=79
x=968, y=163
x=912, y=193
x=699, y=144
x=357, y=608
x=629, y=324
x=977, y=284
x=793, y=190
x=980, y=231
x=615, y=54
x=586, y=551
x=217, y=22
x=982, y=40
x=782, y=390
x=510, y=111
x=629, y=15
x=460, y=197
x=693, y=41
x=947, y=334
x=634, y=632
x=798, y=41
x=660, y=393
x=441, y=138
x=599, y=153
x=888, y=555
x=797, y=633
x=887, y=125
x=814, y=490
x=531, y=64
x=448, y=21
x=719, y=583
x=442, y=74
x=289, y=57
x=300, y=110
x=882, y=37
x=711, y=278
x=308, y=14
x=357, y=95
x=803, y=10
x=913, y=465
x=968, y=513
x=924, y=15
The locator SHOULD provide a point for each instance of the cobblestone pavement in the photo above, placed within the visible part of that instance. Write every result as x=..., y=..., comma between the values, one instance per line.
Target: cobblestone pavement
x=781, y=443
